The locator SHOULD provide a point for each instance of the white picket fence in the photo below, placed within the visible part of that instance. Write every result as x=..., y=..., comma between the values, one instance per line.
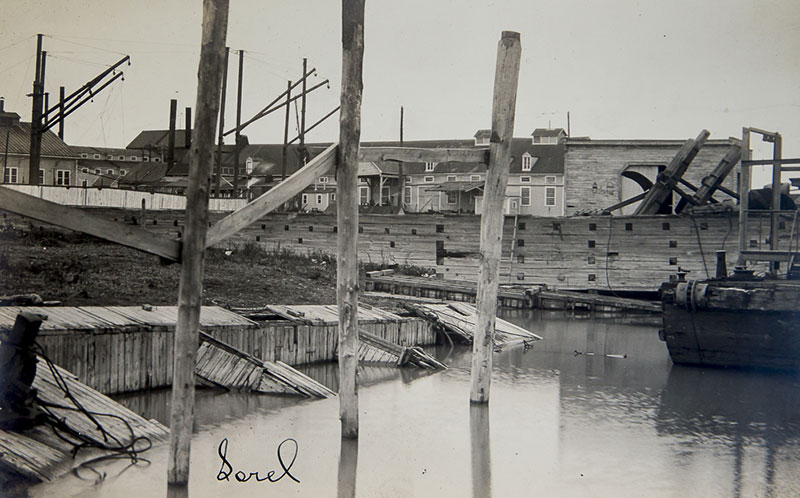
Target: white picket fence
x=117, y=198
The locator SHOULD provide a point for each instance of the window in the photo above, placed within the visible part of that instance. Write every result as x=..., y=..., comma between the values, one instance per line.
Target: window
x=545, y=140
x=451, y=178
x=146, y=159
x=428, y=179
x=409, y=179
x=407, y=195
x=527, y=162
x=323, y=179
x=133, y=158
x=97, y=156
x=319, y=198
x=84, y=183
x=41, y=177
x=84, y=170
x=157, y=159
x=524, y=179
x=109, y=172
x=481, y=140
x=333, y=197
x=305, y=199
x=10, y=175
x=385, y=196
x=429, y=166
x=550, y=196
x=525, y=196
x=121, y=158
x=62, y=177
x=97, y=171
x=550, y=180
x=452, y=197
x=123, y=172
x=475, y=178
x=363, y=195
x=109, y=157
x=84, y=155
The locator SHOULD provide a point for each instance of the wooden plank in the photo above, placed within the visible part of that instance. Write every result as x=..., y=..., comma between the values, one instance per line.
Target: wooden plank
x=272, y=199
x=201, y=158
x=713, y=180
x=83, y=221
x=509, y=51
x=416, y=154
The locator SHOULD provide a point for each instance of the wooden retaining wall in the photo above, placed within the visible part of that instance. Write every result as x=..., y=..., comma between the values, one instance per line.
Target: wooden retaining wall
x=573, y=253
x=115, y=355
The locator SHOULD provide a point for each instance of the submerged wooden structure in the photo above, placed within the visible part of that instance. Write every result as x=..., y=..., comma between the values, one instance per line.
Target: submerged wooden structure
x=117, y=349
x=459, y=319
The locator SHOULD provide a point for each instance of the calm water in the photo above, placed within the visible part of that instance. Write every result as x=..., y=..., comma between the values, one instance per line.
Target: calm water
x=558, y=424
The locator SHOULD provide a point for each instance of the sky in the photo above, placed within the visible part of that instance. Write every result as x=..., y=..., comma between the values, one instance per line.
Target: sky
x=621, y=68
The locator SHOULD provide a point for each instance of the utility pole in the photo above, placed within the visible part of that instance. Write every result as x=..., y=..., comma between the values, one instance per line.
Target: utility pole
x=238, y=124
x=220, y=134
x=400, y=178
x=36, y=115
x=303, y=117
x=61, y=92
x=286, y=131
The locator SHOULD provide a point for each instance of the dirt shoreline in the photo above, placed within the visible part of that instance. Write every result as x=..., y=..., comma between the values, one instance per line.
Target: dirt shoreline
x=81, y=270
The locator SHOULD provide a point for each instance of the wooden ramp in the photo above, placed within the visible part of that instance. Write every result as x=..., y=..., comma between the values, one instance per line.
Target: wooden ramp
x=38, y=454
x=459, y=319
x=221, y=365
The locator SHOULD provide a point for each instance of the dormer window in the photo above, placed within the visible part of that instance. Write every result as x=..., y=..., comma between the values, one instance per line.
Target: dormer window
x=481, y=140
x=527, y=162
x=429, y=166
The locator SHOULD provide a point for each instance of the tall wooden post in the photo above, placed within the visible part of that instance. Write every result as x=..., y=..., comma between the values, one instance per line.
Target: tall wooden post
x=34, y=156
x=504, y=103
x=347, y=212
x=173, y=114
x=221, y=128
x=201, y=159
x=777, y=154
x=744, y=196
x=61, y=91
x=238, y=134
x=284, y=151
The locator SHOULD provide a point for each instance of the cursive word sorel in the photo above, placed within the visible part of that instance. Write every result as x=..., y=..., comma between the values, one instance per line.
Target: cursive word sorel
x=226, y=469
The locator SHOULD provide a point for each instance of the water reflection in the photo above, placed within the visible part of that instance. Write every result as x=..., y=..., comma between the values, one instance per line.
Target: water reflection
x=178, y=491
x=348, y=463
x=481, y=450
x=756, y=415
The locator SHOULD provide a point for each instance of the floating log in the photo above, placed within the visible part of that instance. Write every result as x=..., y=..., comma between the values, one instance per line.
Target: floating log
x=459, y=319
x=222, y=365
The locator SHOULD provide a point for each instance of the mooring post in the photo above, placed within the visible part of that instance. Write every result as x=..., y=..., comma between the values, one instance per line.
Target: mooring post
x=201, y=159
x=347, y=212
x=504, y=102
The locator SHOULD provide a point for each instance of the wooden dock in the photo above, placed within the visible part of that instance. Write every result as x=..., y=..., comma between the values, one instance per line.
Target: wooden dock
x=119, y=349
x=38, y=454
x=421, y=290
x=460, y=318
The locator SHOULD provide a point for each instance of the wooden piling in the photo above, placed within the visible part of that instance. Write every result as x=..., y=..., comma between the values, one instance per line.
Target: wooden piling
x=347, y=212
x=201, y=159
x=504, y=101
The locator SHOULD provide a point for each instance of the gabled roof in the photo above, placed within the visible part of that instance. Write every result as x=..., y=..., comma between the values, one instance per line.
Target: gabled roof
x=483, y=134
x=156, y=139
x=19, y=142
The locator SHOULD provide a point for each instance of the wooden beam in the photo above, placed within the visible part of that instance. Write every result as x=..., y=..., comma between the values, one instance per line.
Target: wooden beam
x=662, y=189
x=624, y=203
x=86, y=222
x=347, y=212
x=509, y=51
x=418, y=155
x=190, y=291
x=272, y=199
x=713, y=180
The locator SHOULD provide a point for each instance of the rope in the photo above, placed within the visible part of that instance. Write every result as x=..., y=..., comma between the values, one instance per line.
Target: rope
x=700, y=245
x=79, y=439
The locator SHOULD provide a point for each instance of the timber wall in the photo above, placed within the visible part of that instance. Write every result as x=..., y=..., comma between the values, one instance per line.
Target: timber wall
x=118, y=359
